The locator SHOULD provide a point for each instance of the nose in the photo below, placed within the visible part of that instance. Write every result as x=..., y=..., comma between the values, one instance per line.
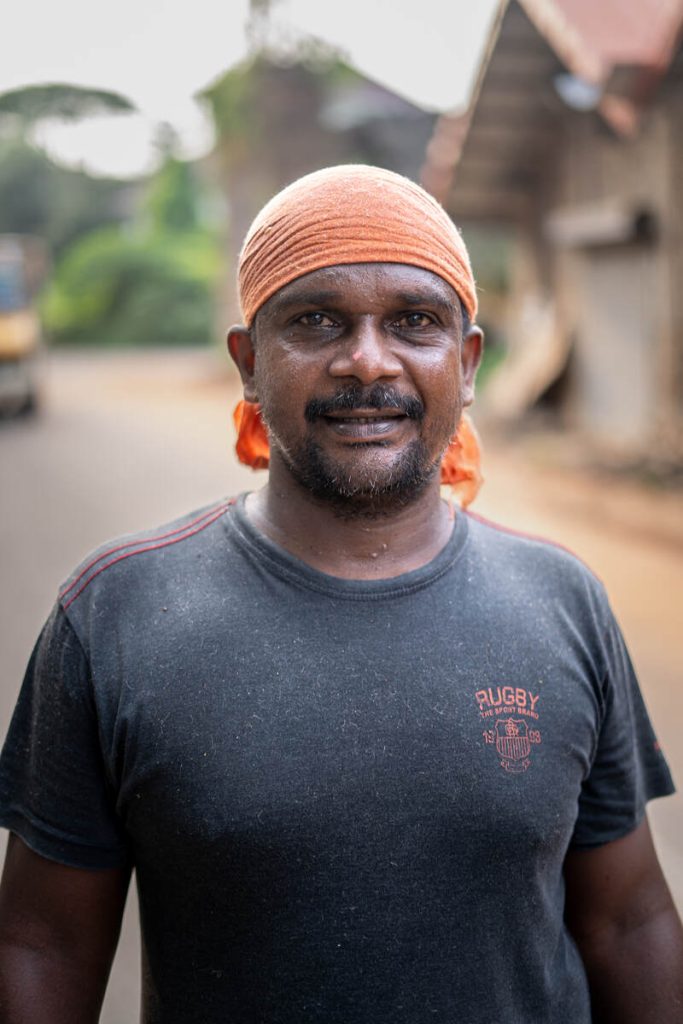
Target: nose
x=366, y=354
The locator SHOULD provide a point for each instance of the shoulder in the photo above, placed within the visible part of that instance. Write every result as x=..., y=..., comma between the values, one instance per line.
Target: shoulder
x=141, y=554
x=527, y=560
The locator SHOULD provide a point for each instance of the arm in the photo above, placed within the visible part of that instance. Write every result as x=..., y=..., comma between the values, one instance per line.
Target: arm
x=58, y=932
x=621, y=915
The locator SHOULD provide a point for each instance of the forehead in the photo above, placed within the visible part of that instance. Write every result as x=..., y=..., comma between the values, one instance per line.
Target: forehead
x=357, y=284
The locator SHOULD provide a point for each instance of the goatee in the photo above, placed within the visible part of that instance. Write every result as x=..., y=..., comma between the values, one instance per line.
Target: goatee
x=360, y=489
x=368, y=495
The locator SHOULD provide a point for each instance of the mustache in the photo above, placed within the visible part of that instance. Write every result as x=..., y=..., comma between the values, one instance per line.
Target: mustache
x=379, y=396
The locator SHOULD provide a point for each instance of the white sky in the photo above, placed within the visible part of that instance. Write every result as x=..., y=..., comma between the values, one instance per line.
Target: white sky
x=159, y=53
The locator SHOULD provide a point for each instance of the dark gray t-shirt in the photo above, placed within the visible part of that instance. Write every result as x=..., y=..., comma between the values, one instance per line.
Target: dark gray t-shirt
x=346, y=801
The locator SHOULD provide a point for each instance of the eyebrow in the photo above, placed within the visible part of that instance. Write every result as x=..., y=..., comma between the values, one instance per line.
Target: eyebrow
x=427, y=297
x=320, y=298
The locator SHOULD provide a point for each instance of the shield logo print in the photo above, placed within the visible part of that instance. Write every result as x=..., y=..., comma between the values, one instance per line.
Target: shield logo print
x=512, y=743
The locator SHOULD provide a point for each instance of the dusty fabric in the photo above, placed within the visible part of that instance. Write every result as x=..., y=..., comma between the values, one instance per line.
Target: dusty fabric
x=350, y=214
x=346, y=801
x=460, y=468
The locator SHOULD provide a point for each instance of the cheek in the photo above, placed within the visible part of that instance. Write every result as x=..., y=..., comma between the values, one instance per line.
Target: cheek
x=271, y=376
x=443, y=394
x=282, y=389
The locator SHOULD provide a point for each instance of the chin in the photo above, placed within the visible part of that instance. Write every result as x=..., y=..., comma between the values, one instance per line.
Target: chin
x=363, y=485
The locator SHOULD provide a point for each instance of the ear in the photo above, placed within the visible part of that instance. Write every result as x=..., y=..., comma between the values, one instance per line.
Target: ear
x=241, y=348
x=470, y=357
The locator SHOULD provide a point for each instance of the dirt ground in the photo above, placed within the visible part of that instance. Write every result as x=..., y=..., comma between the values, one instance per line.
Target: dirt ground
x=124, y=442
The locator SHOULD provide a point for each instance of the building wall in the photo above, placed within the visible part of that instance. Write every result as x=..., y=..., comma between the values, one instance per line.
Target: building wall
x=616, y=308
x=619, y=303
x=672, y=361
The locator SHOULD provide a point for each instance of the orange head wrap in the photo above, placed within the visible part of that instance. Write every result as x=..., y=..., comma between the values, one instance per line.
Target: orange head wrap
x=350, y=214
x=353, y=214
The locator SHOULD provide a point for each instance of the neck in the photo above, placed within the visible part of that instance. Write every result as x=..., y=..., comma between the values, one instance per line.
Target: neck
x=351, y=547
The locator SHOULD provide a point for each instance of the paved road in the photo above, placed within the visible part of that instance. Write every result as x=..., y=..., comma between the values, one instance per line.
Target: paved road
x=128, y=441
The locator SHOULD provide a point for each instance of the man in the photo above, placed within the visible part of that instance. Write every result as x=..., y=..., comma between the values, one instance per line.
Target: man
x=372, y=758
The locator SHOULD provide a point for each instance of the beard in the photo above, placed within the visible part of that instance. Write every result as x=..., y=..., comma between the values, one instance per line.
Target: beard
x=363, y=492
x=368, y=487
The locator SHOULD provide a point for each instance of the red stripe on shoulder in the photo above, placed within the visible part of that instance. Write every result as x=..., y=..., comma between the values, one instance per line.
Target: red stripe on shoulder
x=135, y=543
x=530, y=536
x=139, y=546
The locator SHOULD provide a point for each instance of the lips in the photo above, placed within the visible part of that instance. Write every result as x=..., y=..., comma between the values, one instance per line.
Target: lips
x=365, y=424
x=381, y=400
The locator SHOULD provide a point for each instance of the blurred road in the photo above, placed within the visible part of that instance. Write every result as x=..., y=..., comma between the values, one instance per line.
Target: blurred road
x=127, y=441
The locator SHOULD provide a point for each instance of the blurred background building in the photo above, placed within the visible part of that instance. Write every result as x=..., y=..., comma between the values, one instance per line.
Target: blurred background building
x=570, y=157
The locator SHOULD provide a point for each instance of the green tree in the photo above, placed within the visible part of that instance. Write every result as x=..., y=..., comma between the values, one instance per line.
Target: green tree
x=37, y=196
x=33, y=103
x=149, y=283
x=112, y=288
x=132, y=263
x=173, y=197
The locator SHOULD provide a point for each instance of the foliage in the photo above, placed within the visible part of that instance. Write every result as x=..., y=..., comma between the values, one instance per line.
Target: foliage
x=172, y=197
x=132, y=265
x=34, y=103
x=231, y=101
x=114, y=288
x=39, y=198
x=148, y=284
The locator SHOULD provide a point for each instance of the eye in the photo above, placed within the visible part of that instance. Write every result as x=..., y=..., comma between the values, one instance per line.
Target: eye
x=316, y=319
x=413, y=320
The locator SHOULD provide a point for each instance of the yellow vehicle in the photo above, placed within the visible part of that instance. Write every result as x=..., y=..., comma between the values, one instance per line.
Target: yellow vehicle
x=22, y=268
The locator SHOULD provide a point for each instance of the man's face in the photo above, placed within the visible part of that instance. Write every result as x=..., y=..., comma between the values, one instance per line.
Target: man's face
x=362, y=374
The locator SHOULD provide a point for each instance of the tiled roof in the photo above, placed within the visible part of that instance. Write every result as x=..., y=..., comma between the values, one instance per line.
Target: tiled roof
x=624, y=31
x=593, y=37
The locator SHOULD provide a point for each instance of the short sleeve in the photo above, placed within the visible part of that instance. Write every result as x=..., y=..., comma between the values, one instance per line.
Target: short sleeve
x=54, y=790
x=628, y=767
